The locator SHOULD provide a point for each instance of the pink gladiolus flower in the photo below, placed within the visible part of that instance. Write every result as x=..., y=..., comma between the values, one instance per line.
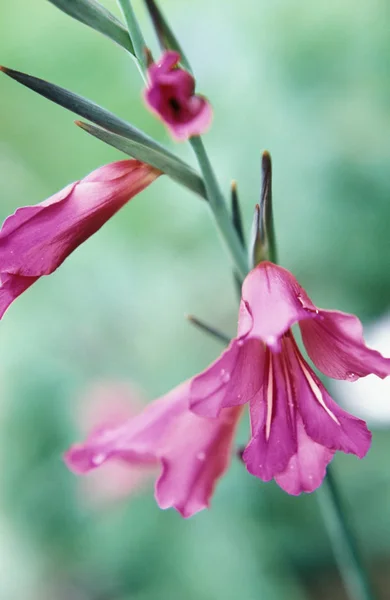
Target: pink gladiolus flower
x=296, y=426
x=193, y=452
x=170, y=94
x=35, y=240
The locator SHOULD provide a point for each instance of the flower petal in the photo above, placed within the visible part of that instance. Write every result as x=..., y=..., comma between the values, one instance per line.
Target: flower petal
x=11, y=286
x=194, y=459
x=194, y=452
x=274, y=440
x=324, y=421
x=35, y=240
x=307, y=468
x=170, y=95
x=136, y=440
x=334, y=342
x=274, y=299
x=231, y=380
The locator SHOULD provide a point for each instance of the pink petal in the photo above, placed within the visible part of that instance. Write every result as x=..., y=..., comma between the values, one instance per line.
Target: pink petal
x=307, y=468
x=324, y=421
x=273, y=298
x=167, y=62
x=194, y=452
x=194, y=459
x=274, y=439
x=334, y=342
x=11, y=286
x=170, y=95
x=231, y=380
x=35, y=240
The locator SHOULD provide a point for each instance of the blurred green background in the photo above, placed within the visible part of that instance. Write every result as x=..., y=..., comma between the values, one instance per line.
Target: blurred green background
x=308, y=81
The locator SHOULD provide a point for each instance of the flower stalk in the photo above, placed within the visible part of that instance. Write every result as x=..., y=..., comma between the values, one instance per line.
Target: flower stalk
x=345, y=548
x=137, y=39
x=218, y=206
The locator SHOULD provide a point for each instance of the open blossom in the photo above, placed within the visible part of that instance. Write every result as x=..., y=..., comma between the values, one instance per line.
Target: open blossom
x=170, y=94
x=296, y=426
x=193, y=452
x=35, y=240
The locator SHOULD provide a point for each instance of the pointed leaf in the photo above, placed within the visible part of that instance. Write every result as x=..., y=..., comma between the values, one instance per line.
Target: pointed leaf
x=93, y=14
x=165, y=34
x=88, y=109
x=185, y=176
x=236, y=213
x=137, y=39
x=267, y=228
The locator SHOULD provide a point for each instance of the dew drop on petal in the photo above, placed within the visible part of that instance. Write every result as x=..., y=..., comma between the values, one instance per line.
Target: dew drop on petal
x=201, y=456
x=351, y=376
x=225, y=376
x=240, y=343
x=98, y=459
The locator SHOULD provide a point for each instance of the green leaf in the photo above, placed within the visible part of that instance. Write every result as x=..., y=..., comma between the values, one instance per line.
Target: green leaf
x=89, y=110
x=135, y=32
x=165, y=34
x=185, y=176
x=93, y=14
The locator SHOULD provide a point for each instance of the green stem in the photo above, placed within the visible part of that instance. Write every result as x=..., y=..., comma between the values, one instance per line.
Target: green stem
x=137, y=39
x=344, y=543
x=218, y=206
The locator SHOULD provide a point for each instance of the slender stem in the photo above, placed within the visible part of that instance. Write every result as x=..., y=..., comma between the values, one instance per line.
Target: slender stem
x=137, y=39
x=215, y=333
x=344, y=543
x=219, y=208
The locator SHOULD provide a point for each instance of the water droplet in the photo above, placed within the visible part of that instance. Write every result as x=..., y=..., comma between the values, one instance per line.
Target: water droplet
x=225, y=376
x=351, y=376
x=271, y=340
x=240, y=343
x=201, y=456
x=98, y=459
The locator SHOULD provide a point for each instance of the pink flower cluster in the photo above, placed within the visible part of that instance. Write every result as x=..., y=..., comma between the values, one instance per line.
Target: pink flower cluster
x=188, y=433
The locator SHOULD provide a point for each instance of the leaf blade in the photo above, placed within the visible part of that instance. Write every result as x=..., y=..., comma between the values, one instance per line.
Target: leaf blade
x=94, y=15
x=188, y=178
x=165, y=35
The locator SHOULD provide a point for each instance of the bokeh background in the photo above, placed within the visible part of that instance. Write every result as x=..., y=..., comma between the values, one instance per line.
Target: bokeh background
x=311, y=83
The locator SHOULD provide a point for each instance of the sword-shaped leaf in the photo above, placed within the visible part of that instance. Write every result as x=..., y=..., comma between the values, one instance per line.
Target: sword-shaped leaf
x=165, y=35
x=98, y=115
x=186, y=177
x=93, y=14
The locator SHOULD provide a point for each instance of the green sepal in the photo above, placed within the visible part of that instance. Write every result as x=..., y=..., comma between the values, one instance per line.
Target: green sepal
x=165, y=35
x=183, y=175
x=93, y=14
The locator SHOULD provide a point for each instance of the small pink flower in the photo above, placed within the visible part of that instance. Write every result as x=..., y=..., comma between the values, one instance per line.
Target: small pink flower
x=35, y=240
x=193, y=452
x=170, y=94
x=296, y=426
